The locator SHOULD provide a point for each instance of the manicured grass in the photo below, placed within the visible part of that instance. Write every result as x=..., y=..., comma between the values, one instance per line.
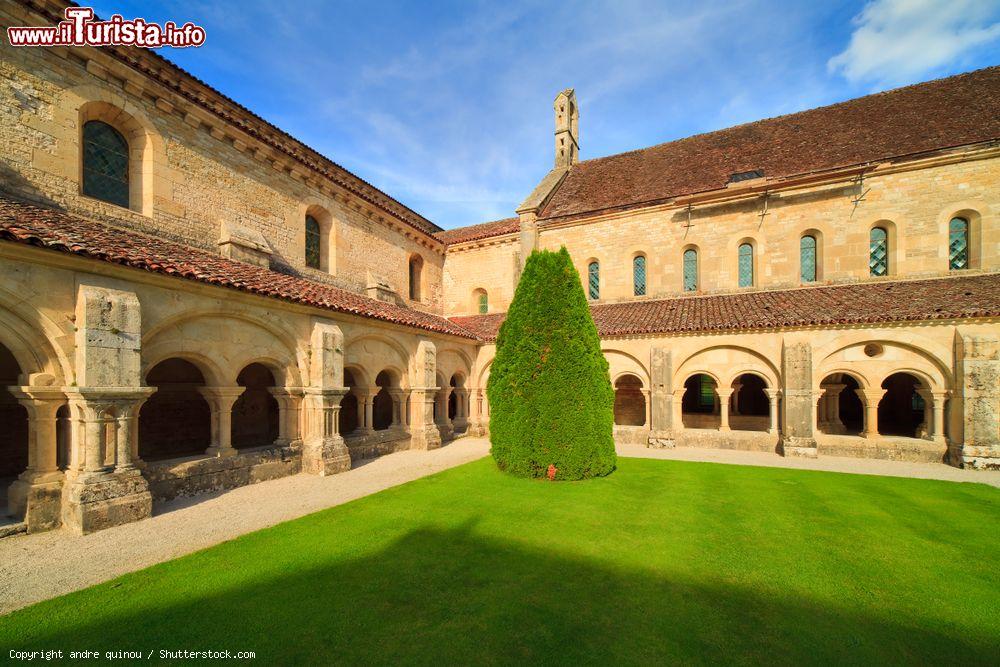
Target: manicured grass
x=661, y=561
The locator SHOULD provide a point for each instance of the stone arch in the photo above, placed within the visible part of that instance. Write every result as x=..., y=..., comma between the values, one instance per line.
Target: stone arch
x=902, y=409
x=386, y=407
x=630, y=400
x=31, y=338
x=621, y=363
x=14, y=454
x=219, y=342
x=724, y=362
x=176, y=420
x=750, y=402
x=847, y=354
x=147, y=153
x=839, y=409
x=255, y=413
x=451, y=360
x=375, y=352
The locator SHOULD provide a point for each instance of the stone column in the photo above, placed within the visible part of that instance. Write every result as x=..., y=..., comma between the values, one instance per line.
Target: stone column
x=289, y=408
x=106, y=487
x=369, y=426
x=736, y=397
x=360, y=394
x=677, y=407
x=663, y=419
x=323, y=448
x=36, y=494
x=647, y=418
x=833, y=420
x=723, y=396
x=423, y=431
x=870, y=398
x=478, y=428
x=772, y=398
x=397, y=408
x=799, y=414
x=221, y=401
x=936, y=427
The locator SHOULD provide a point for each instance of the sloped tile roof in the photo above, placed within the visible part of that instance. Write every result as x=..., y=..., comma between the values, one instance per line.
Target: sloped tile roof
x=66, y=232
x=955, y=111
x=481, y=231
x=863, y=303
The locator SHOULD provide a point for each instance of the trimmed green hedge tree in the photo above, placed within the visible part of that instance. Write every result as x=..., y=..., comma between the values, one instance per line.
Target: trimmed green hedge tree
x=551, y=401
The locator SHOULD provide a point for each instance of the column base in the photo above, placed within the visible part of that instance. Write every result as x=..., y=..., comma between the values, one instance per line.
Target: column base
x=221, y=452
x=325, y=456
x=975, y=458
x=661, y=440
x=802, y=447
x=425, y=439
x=94, y=501
x=37, y=497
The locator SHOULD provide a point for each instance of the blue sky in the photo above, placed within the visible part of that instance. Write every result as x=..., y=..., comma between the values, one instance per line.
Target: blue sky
x=447, y=106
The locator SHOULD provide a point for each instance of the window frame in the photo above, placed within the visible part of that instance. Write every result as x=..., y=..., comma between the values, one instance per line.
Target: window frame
x=884, y=242
x=815, y=258
x=314, y=231
x=639, y=262
x=694, y=285
x=967, y=250
x=593, y=280
x=749, y=258
x=89, y=171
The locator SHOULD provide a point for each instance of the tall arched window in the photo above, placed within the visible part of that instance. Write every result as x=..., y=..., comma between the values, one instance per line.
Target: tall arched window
x=690, y=270
x=416, y=269
x=958, y=244
x=639, y=275
x=594, y=280
x=105, y=163
x=807, y=258
x=746, y=265
x=313, y=243
x=878, y=252
x=482, y=301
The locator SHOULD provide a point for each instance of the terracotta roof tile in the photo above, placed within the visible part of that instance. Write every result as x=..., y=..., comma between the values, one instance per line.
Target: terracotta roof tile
x=865, y=303
x=955, y=111
x=481, y=231
x=58, y=230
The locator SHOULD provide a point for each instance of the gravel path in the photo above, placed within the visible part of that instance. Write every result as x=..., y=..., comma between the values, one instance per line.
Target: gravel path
x=44, y=565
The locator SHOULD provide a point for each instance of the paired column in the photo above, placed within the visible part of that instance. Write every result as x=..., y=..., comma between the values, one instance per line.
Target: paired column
x=221, y=401
x=35, y=494
x=722, y=397
x=323, y=448
x=870, y=398
x=289, y=415
x=935, y=402
x=772, y=399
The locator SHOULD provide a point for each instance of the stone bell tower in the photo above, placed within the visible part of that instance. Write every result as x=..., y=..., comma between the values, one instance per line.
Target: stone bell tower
x=567, y=131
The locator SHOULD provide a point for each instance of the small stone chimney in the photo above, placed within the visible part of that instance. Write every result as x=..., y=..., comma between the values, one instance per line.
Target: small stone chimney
x=567, y=130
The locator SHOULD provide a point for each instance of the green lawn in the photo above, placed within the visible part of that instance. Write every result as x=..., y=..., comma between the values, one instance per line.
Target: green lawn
x=662, y=561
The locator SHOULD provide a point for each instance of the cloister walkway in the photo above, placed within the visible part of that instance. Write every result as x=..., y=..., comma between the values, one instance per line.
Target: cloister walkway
x=44, y=565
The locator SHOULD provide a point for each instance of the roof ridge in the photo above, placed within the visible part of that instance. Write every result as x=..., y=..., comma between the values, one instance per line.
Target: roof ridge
x=769, y=119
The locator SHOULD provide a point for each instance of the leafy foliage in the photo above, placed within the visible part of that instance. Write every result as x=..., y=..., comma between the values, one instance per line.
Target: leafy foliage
x=551, y=400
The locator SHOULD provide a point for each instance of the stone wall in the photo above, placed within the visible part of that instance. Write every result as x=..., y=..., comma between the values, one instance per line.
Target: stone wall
x=194, y=181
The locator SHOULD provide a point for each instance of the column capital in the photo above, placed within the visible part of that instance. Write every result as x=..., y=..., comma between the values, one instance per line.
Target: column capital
x=724, y=393
x=874, y=395
x=772, y=394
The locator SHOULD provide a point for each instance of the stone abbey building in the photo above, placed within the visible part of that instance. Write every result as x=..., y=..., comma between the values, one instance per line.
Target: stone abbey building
x=191, y=299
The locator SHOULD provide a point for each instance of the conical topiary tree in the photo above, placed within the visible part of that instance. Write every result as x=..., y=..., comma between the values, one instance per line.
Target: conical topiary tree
x=551, y=401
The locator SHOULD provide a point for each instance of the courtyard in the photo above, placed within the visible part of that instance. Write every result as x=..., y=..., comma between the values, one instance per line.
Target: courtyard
x=665, y=560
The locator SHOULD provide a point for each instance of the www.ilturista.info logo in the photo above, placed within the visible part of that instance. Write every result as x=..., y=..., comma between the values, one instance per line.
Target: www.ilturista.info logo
x=80, y=29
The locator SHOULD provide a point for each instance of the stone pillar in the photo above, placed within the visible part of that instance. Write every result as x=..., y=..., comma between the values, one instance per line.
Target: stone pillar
x=106, y=488
x=646, y=406
x=870, y=398
x=478, y=427
x=323, y=449
x=361, y=394
x=397, y=408
x=935, y=428
x=424, y=433
x=834, y=425
x=736, y=397
x=221, y=401
x=664, y=419
x=369, y=426
x=975, y=438
x=461, y=409
x=36, y=494
x=677, y=408
x=772, y=398
x=723, y=396
x=289, y=413
x=799, y=415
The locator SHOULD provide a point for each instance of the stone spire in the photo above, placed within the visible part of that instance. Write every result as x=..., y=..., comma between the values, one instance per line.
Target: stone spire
x=567, y=130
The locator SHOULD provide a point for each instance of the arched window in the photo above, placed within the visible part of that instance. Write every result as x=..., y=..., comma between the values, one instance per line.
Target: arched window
x=746, y=265
x=690, y=270
x=958, y=244
x=416, y=269
x=878, y=252
x=313, y=243
x=639, y=275
x=594, y=280
x=105, y=163
x=807, y=258
x=483, y=302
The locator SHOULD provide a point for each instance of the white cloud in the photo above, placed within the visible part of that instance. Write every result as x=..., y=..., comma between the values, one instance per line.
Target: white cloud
x=899, y=41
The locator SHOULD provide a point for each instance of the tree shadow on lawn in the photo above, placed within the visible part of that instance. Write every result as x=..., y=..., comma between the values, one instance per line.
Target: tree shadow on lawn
x=437, y=596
